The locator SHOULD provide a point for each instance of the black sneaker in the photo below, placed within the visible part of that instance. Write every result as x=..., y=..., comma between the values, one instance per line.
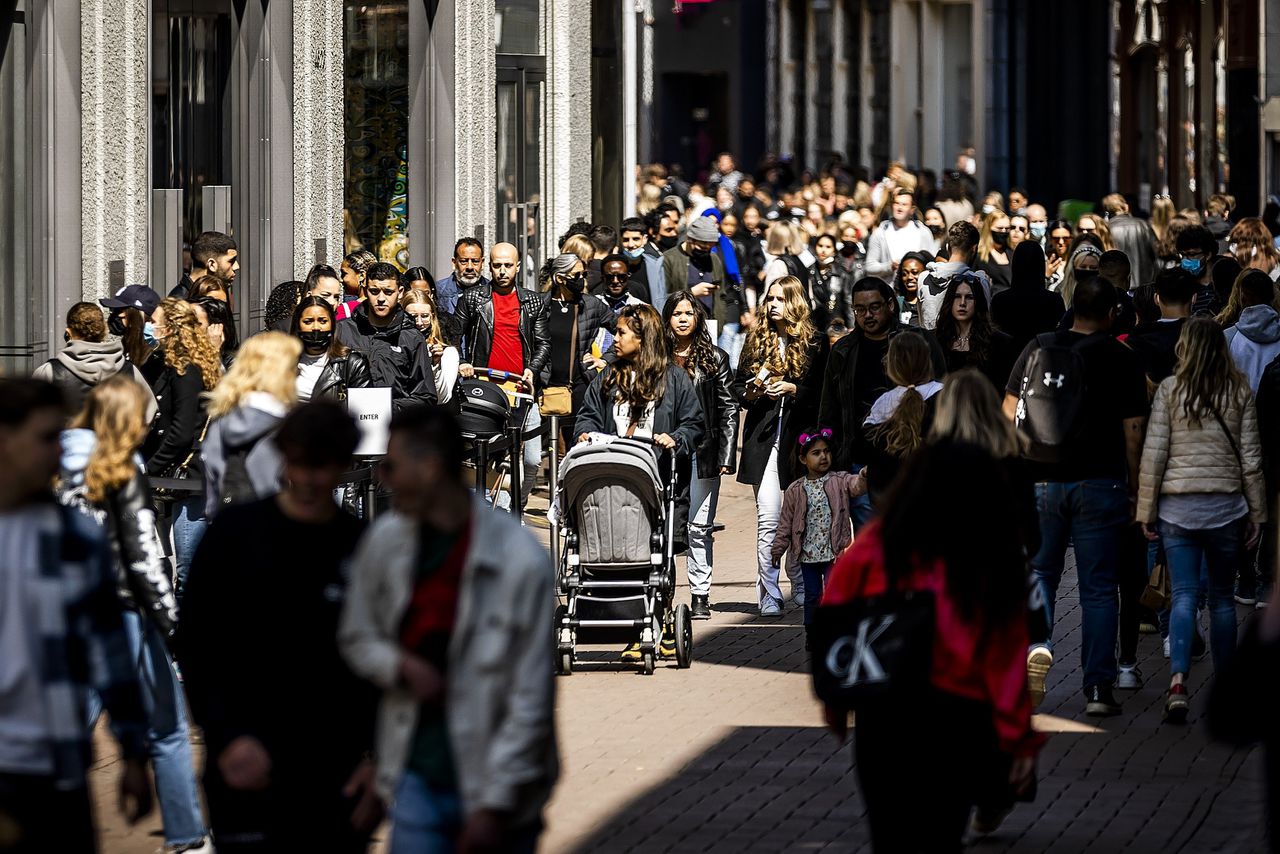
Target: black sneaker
x=1100, y=702
x=700, y=607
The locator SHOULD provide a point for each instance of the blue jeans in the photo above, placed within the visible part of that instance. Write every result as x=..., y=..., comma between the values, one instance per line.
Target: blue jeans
x=167, y=740
x=1091, y=515
x=860, y=509
x=427, y=820
x=189, y=524
x=1186, y=549
x=815, y=581
x=704, y=493
x=532, y=460
x=730, y=341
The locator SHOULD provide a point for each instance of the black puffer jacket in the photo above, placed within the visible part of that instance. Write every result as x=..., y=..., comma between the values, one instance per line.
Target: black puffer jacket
x=719, y=446
x=340, y=374
x=397, y=354
x=593, y=314
x=475, y=317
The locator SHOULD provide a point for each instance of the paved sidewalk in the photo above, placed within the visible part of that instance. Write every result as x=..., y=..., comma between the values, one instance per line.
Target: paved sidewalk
x=730, y=755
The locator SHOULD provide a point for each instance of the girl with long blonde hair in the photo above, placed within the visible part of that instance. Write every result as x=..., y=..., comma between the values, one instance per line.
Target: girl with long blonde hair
x=779, y=385
x=102, y=473
x=1201, y=492
x=421, y=308
x=244, y=409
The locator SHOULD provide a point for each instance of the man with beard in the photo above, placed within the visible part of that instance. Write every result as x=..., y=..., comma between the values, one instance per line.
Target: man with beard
x=468, y=264
x=398, y=355
x=856, y=377
x=212, y=252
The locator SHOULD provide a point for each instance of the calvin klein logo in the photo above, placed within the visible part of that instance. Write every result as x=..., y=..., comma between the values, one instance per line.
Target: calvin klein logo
x=852, y=659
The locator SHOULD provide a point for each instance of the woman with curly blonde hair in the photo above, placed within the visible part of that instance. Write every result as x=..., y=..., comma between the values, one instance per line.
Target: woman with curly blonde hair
x=779, y=384
x=191, y=367
x=101, y=473
x=244, y=409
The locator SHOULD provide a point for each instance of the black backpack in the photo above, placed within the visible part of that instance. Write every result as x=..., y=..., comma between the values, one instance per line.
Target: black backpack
x=236, y=486
x=1051, y=402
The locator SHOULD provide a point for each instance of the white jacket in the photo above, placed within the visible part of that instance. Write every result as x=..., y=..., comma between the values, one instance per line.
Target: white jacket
x=888, y=244
x=500, y=685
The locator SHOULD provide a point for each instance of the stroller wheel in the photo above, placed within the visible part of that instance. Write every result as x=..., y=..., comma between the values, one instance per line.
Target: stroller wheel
x=648, y=663
x=682, y=628
x=564, y=663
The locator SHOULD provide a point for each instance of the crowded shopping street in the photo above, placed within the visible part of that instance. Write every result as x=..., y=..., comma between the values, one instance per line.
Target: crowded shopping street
x=523, y=426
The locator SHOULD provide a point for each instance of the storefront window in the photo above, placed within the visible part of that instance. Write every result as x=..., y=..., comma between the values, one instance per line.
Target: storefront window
x=517, y=26
x=21, y=311
x=519, y=133
x=192, y=44
x=376, y=50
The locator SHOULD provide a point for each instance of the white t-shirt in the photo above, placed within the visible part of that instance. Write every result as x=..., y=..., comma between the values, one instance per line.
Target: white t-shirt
x=309, y=370
x=882, y=410
x=622, y=420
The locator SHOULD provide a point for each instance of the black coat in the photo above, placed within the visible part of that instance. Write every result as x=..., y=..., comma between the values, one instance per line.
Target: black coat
x=997, y=365
x=475, y=319
x=593, y=314
x=397, y=354
x=340, y=374
x=761, y=415
x=1026, y=310
x=677, y=413
x=179, y=419
x=719, y=446
x=1268, y=406
x=838, y=409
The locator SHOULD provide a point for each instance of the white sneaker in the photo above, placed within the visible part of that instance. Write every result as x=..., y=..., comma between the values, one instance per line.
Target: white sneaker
x=1129, y=677
x=771, y=608
x=1039, y=660
x=1166, y=646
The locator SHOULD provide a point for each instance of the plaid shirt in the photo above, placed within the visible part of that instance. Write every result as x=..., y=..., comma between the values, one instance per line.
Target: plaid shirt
x=84, y=646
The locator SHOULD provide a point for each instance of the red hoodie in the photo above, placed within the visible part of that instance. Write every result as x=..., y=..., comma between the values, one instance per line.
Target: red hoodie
x=984, y=663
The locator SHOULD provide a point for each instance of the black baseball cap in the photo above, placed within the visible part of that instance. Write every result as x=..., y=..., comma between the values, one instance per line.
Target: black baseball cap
x=140, y=297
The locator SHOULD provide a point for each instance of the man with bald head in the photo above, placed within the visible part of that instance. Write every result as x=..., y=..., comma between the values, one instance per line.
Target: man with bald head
x=504, y=328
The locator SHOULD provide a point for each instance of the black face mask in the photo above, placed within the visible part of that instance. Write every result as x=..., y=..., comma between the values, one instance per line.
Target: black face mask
x=848, y=250
x=1000, y=238
x=701, y=256
x=938, y=230
x=665, y=243
x=115, y=324
x=316, y=339
x=66, y=337
x=575, y=284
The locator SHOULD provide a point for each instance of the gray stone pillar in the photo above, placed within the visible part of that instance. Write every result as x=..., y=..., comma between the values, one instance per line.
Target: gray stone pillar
x=115, y=121
x=474, y=86
x=318, y=133
x=566, y=142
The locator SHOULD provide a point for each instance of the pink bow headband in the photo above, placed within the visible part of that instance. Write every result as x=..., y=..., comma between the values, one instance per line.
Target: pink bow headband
x=806, y=438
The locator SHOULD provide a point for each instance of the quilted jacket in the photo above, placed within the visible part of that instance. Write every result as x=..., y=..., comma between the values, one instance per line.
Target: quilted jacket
x=1179, y=458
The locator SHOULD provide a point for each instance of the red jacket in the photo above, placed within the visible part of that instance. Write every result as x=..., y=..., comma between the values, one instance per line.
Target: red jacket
x=975, y=661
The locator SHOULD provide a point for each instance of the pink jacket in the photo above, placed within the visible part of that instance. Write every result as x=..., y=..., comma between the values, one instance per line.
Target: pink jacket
x=795, y=506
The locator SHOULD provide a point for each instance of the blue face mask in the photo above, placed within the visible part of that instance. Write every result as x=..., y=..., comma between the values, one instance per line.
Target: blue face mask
x=149, y=334
x=1193, y=266
x=1038, y=230
x=634, y=253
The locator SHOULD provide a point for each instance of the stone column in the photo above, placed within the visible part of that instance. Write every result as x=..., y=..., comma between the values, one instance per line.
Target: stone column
x=115, y=120
x=318, y=132
x=474, y=87
x=566, y=144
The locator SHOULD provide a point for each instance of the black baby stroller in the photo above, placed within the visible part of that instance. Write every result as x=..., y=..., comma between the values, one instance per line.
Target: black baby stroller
x=491, y=412
x=618, y=571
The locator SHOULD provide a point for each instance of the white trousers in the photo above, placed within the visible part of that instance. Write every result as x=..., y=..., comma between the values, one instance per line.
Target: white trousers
x=768, y=508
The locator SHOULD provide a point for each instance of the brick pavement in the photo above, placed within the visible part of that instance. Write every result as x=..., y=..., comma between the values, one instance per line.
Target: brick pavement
x=730, y=755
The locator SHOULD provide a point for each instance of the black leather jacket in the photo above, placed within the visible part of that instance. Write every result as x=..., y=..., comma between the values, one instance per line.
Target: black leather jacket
x=475, y=317
x=340, y=374
x=719, y=445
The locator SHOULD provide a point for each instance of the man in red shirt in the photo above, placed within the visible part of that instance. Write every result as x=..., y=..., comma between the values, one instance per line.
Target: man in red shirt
x=504, y=328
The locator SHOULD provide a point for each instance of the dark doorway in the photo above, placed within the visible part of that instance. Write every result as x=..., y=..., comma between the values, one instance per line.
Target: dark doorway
x=694, y=124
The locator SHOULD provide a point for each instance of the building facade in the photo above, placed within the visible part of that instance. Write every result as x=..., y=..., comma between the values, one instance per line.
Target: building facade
x=304, y=128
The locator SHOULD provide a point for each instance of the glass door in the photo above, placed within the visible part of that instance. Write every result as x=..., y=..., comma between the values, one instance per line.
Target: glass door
x=521, y=81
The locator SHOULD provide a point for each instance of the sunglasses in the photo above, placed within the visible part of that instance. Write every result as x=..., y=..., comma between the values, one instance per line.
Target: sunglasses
x=616, y=277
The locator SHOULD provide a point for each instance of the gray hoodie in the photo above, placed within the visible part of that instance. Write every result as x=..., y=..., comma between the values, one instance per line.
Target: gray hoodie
x=1255, y=341
x=92, y=362
x=249, y=424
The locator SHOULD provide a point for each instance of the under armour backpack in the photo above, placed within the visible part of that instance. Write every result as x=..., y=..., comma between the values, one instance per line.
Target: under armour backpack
x=1052, y=398
x=236, y=486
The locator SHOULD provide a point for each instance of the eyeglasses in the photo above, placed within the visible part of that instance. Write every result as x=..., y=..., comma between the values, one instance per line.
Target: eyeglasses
x=872, y=308
x=389, y=292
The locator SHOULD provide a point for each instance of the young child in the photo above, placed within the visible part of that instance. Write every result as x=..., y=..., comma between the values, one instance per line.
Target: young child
x=814, y=526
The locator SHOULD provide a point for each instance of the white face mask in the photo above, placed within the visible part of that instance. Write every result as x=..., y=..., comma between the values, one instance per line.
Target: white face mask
x=970, y=166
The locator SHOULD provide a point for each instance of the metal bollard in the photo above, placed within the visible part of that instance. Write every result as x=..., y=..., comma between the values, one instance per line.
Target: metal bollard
x=554, y=476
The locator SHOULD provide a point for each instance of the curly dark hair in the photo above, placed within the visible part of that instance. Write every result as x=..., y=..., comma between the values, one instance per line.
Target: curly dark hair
x=702, y=356
x=980, y=333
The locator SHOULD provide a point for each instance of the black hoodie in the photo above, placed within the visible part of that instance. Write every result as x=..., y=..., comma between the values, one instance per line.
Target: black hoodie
x=1028, y=308
x=397, y=353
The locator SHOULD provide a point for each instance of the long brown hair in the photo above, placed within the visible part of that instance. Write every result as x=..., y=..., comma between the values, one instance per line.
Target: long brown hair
x=761, y=348
x=1206, y=380
x=908, y=363
x=702, y=356
x=114, y=411
x=187, y=344
x=337, y=350
x=642, y=380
